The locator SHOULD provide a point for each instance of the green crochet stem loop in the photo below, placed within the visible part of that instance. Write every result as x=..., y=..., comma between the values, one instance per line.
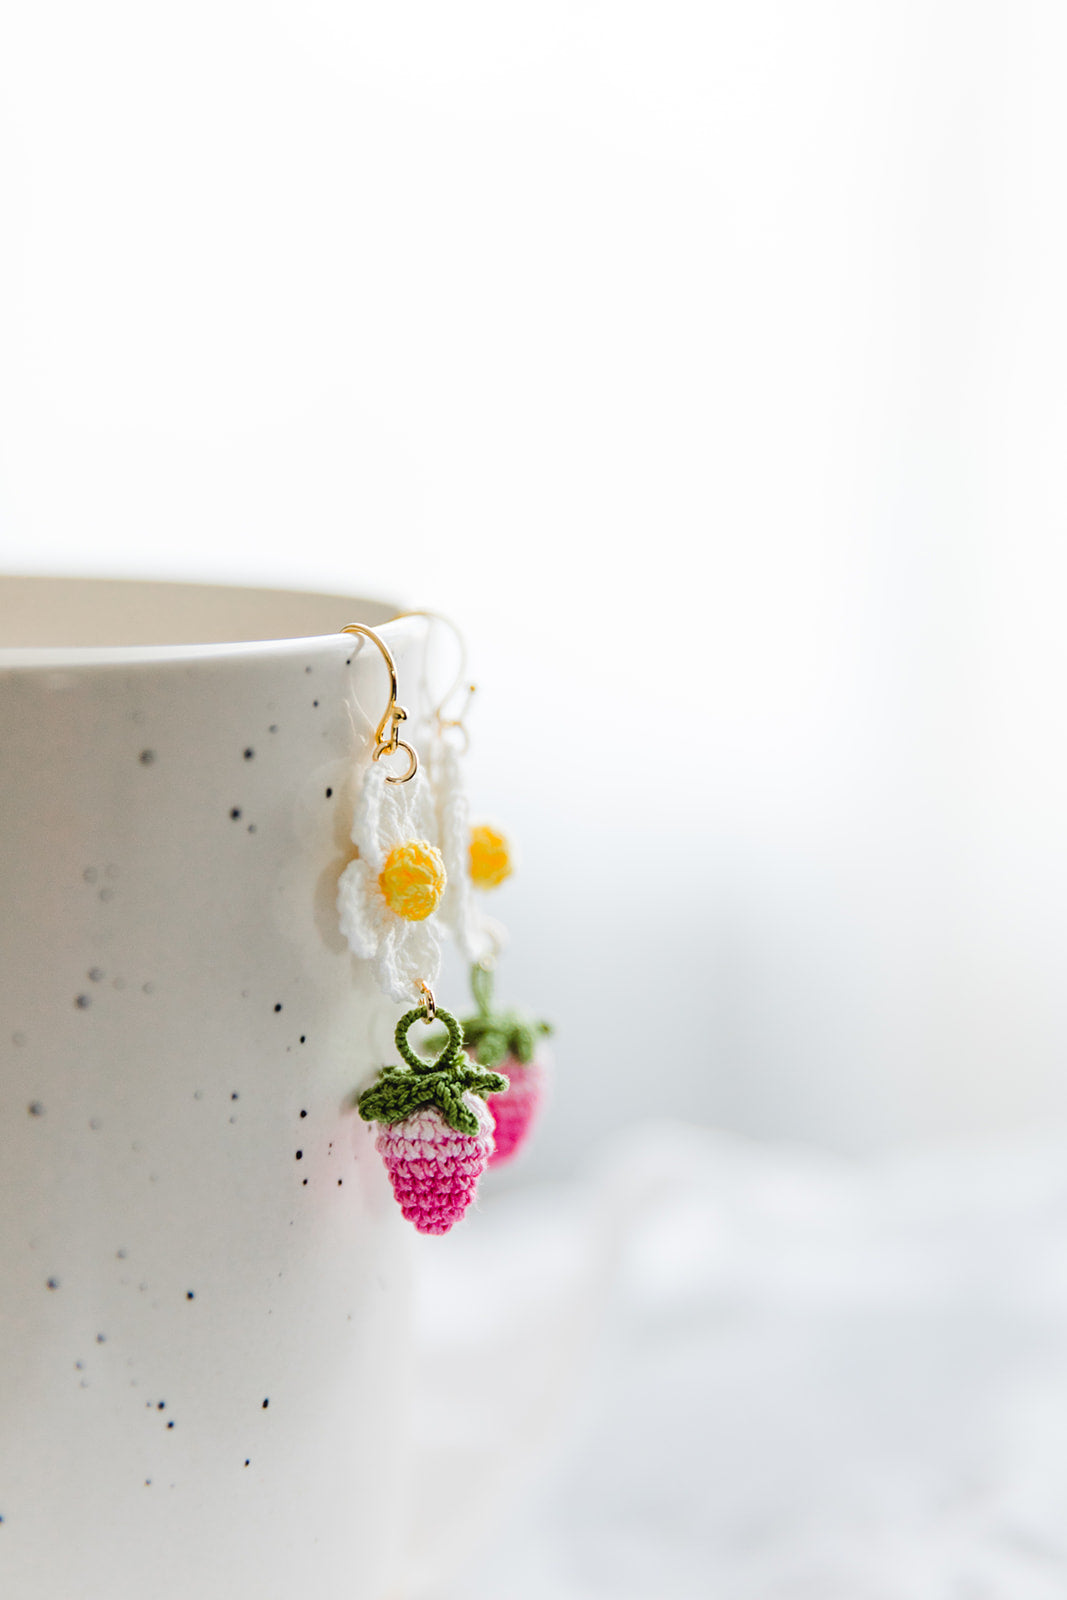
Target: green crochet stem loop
x=398, y=1092
x=482, y=988
x=491, y=1036
x=453, y=1043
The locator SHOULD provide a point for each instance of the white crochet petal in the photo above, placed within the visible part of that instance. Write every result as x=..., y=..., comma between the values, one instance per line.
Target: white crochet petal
x=360, y=908
x=393, y=827
x=423, y=810
x=453, y=815
x=405, y=812
x=454, y=825
x=389, y=981
x=479, y=937
x=367, y=819
x=408, y=951
x=403, y=952
x=486, y=936
x=416, y=954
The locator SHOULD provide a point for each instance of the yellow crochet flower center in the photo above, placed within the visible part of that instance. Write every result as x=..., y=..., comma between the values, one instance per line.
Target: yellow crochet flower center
x=413, y=880
x=490, y=857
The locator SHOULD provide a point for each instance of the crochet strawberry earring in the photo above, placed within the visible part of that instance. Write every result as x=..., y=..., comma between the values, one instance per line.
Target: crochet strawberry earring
x=510, y=1041
x=388, y=894
x=435, y=1132
x=479, y=859
x=417, y=863
x=435, y=1129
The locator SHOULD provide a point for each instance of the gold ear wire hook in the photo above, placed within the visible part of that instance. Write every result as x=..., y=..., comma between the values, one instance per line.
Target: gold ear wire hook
x=461, y=672
x=456, y=722
x=395, y=713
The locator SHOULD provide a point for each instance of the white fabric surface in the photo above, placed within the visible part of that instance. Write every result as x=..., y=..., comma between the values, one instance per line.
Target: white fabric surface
x=723, y=1369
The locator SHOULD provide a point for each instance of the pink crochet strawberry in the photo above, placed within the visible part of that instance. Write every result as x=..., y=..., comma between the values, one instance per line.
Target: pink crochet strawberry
x=513, y=1112
x=435, y=1133
x=507, y=1040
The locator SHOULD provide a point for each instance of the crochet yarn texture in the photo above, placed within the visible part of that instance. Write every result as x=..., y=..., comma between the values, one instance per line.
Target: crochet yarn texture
x=433, y=1169
x=490, y=857
x=514, y=1111
x=435, y=1130
x=412, y=880
x=387, y=895
x=479, y=936
x=509, y=1040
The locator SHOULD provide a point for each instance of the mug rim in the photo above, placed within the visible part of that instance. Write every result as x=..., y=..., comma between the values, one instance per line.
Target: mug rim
x=120, y=592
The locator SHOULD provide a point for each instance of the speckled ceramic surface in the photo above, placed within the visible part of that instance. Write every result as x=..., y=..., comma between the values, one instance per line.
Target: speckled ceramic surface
x=203, y=1303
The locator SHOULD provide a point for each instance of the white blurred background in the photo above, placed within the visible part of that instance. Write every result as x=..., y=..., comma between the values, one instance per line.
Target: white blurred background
x=705, y=362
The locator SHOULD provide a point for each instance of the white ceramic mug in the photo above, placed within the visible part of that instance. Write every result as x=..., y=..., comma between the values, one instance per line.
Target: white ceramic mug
x=203, y=1276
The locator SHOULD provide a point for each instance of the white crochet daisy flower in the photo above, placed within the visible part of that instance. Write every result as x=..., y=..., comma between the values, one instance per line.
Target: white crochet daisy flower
x=388, y=895
x=479, y=936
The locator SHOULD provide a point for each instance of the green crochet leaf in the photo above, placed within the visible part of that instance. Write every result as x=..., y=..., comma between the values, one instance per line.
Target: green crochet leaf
x=398, y=1092
x=492, y=1036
